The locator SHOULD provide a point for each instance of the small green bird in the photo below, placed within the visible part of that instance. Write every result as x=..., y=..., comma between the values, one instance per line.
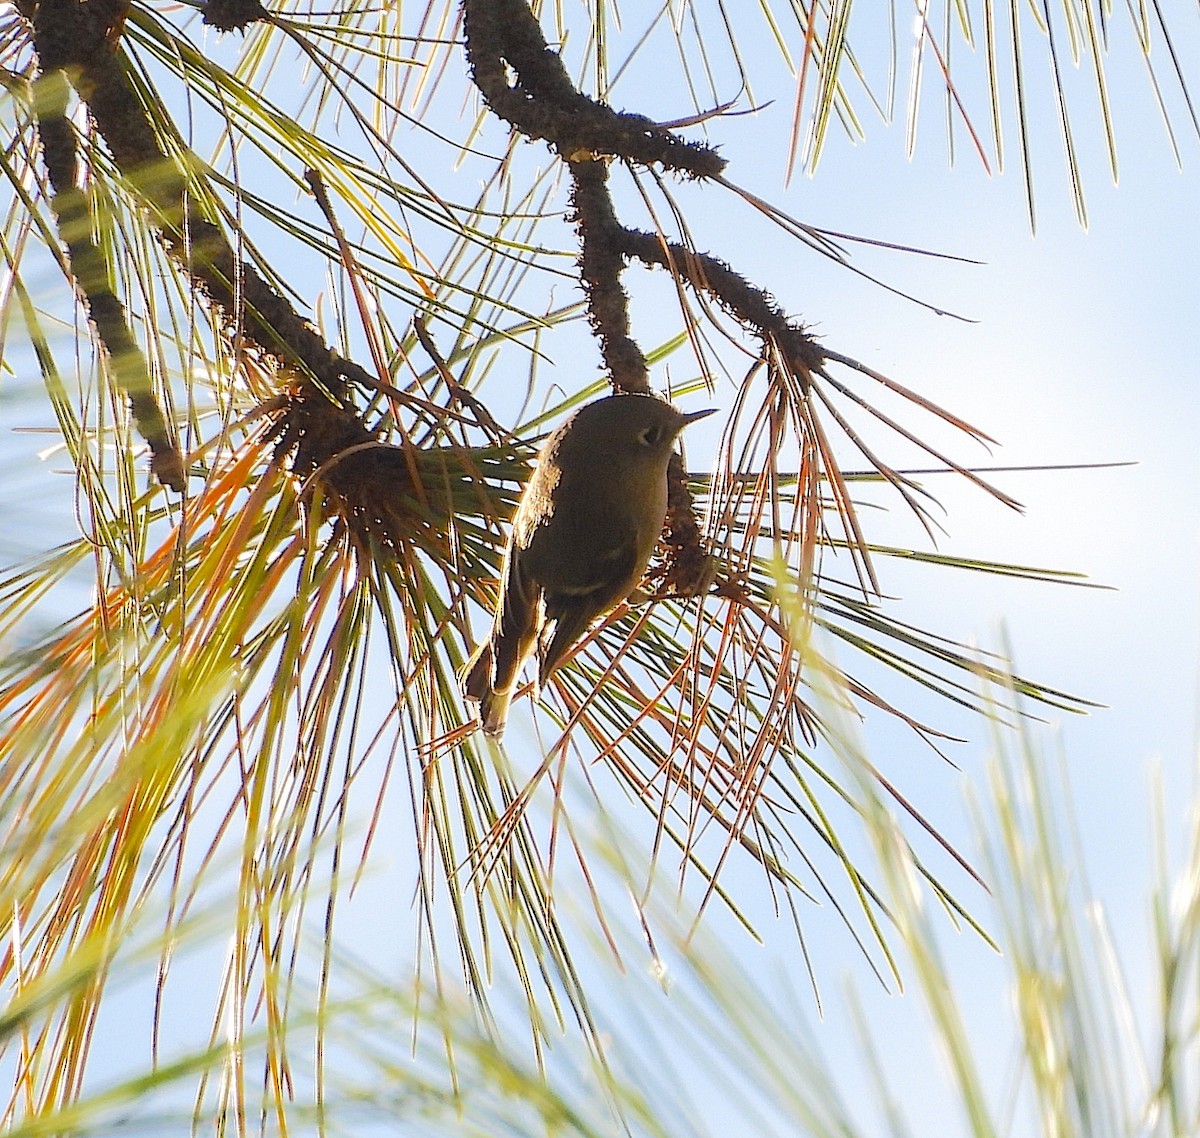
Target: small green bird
x=584, y=531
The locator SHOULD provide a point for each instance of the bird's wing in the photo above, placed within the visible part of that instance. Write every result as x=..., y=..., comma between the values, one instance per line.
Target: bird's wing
x=519, y=619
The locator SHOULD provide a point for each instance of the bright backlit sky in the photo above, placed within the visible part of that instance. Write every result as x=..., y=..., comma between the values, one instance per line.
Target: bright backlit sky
x=1085, y=351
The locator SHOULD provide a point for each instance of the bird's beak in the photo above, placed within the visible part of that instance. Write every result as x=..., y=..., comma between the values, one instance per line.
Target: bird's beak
x=695, y=416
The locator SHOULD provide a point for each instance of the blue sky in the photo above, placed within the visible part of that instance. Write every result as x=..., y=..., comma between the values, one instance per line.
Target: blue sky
x=1086, y=351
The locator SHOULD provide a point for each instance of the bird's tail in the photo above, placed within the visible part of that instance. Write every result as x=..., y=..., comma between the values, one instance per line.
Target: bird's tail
x=478, y=683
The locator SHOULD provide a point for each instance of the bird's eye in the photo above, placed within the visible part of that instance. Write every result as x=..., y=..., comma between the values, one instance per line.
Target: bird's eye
x=650, y=436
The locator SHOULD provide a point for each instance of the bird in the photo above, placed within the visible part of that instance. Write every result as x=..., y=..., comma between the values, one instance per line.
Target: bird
x=585, y=528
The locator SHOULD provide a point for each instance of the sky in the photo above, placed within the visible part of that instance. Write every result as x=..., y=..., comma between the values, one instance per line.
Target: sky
x=1084, y=351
